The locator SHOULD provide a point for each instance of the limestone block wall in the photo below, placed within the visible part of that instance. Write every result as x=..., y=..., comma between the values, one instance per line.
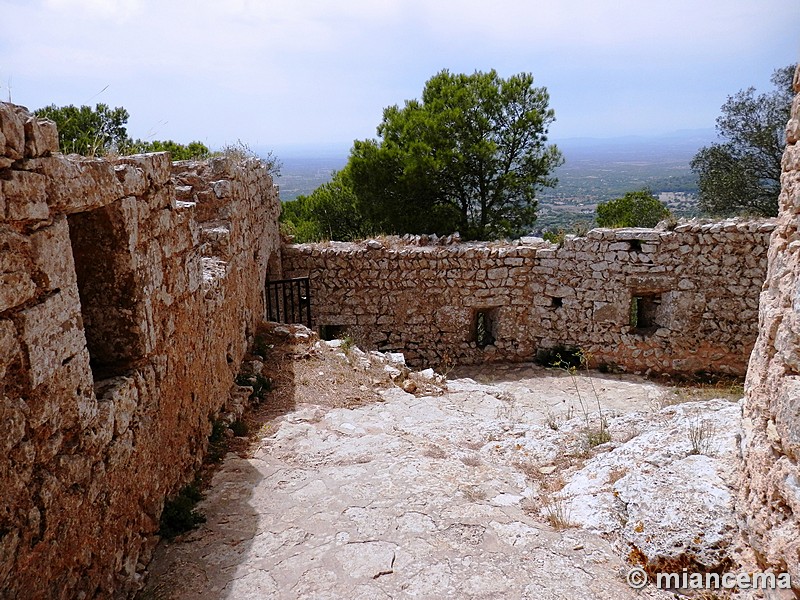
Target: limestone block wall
x=675, y=301
x=128, y=290
x=769, y=502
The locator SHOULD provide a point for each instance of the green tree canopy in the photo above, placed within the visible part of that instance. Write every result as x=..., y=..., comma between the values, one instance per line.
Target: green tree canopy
x=469, y=156
x=87, y=131
x=329, y=213
x=101, y=130
x=742, y=174
x=192, y=150
x=634, y=209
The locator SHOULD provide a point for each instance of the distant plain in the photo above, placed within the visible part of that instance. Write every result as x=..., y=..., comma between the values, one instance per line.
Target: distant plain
x=594, y=170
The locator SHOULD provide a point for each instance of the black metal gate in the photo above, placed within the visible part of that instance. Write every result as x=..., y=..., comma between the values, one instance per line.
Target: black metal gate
x=289, y=301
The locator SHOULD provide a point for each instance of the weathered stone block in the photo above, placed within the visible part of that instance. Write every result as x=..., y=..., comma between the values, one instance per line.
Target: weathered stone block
x=41, y=137
x=24, y=196
x=9, y=346
x=156, y=167
x=15, y=289
x=51, y=252
x=224, y=189
x=122, y=393
x=14, y=416
x=791, y=158
x=51, y=334
x=132, y=178
x=16, y=284
x=76, y=183
x=12, y=128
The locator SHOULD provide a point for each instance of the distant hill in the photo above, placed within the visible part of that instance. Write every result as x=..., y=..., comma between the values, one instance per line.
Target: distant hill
x=301, y=175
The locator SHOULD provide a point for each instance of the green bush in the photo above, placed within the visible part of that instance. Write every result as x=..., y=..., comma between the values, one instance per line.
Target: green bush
x=179, y=514
x=634, y=209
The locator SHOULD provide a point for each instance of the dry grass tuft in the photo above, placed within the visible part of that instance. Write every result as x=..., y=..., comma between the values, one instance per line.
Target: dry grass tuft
x=473, y=460
x=727, y=388
x=434, y=451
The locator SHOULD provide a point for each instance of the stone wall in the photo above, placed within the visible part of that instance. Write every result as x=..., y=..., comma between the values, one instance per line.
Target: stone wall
x=128, y=291
x=769, y=502
x=664, y=301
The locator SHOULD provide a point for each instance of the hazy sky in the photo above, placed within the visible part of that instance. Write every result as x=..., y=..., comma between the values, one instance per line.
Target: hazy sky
x=321, y=71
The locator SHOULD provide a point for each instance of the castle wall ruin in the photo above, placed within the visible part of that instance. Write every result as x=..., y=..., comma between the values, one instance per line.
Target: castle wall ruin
x=769, y=501
x=643, y=300
x=129, y=289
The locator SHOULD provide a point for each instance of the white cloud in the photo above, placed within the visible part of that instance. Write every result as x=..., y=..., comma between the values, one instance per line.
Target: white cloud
x=318, y=69
x=117, y=10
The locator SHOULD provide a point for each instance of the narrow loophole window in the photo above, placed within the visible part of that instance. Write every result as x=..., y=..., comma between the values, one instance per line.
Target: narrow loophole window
x=484, y=327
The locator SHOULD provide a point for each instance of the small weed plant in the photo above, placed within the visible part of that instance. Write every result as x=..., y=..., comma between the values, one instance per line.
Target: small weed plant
x=572, y=363
x=446, y=365
x=702, y=435
x=217, y=443
x=347, y=344
x=179, y=514
x=556, y=512
x=554, y=421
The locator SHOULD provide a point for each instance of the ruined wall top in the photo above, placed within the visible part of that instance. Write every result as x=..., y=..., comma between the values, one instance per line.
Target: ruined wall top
x=448, y=243
x=673, y=300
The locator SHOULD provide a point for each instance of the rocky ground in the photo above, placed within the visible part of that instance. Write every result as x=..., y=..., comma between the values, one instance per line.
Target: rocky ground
x=506, y=481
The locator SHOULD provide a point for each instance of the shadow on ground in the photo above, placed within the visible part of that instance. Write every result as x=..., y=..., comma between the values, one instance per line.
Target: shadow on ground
x=202, y=563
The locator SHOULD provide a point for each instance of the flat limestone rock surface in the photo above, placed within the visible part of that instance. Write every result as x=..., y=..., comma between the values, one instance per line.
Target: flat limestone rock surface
x=412, y=497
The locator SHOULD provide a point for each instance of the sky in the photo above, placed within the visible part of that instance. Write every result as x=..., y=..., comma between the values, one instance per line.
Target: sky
x=295, y=74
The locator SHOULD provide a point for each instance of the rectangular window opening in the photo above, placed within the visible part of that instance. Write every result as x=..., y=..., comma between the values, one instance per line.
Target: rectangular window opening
x=556, y=302
x=110, y=290
x=332, y=332
x=484, y=327
x=634, y=245
x=643, y=312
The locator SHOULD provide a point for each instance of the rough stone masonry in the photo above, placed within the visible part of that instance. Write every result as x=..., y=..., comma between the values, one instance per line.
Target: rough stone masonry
x=769, y=502
x=128, y=291
x=663, y=301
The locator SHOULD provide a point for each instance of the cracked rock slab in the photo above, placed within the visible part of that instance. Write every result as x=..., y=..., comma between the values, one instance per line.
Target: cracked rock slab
x=412, y=497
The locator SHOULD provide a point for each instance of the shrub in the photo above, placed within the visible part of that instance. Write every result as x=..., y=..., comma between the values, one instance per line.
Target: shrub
x=179, y=514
